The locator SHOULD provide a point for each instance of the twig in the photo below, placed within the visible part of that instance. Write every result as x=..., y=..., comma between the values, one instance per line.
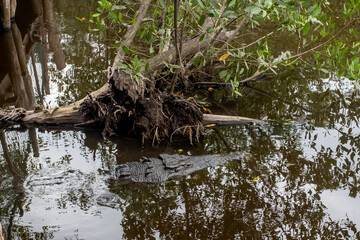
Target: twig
x=231, y=37
x=178, y=54
x=279, y=99
x=179, y=47
x=35, y=74
x=165, y=44
x=221, y=137
x=298, y=55
x=131, y=33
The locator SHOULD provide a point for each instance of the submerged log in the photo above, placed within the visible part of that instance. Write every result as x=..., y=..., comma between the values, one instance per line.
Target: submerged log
x=222, y=120
x=165, y=167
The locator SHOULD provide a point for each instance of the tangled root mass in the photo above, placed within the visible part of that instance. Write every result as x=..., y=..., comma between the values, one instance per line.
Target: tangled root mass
x=132, y=108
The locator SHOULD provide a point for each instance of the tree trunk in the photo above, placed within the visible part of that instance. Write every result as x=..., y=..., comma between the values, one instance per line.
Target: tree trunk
x=5, y=15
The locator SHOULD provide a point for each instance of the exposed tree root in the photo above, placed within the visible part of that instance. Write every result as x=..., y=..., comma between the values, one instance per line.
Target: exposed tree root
x=129, y=109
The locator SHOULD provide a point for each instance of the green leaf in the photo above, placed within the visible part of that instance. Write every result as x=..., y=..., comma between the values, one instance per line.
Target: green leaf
x=252, y=9
x=197, y=60
x=126, y=50
x=324, y=70
x=202, y=20
x=136, y=79
x=122, y=66
x=201, y=4
x=113, y=16
x=237, y=93
x=229, y=14
x=306, y=28
x=147, y=67
x=223, y=73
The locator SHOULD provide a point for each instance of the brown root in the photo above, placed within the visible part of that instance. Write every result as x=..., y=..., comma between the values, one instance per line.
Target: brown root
x=129, y=109
x=12, y=115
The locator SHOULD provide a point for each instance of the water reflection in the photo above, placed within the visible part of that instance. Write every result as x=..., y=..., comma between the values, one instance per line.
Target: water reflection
x=43, y=58
x=18, y=46
x=17, y=75
x=305, y=175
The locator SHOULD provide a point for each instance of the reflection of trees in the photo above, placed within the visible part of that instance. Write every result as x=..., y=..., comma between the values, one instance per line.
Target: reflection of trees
x=76, y=190
x=226, y=204
x=295, y=162
x=12, y=202
x=18, y=73
x=35, y=26
x=83, y=50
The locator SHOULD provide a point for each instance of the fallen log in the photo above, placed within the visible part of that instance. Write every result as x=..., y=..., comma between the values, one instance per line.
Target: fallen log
x=166, y=167
x=71, y=116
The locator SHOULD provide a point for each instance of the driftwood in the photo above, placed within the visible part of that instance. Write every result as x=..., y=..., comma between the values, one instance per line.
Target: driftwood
x=165, y=167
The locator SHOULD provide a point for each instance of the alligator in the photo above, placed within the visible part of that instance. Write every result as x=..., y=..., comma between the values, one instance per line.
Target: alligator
x=165, y=167
x=72, y=185
x=146, y=170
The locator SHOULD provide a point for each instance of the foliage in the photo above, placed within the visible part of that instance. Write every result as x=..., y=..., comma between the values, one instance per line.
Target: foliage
x=312, y=33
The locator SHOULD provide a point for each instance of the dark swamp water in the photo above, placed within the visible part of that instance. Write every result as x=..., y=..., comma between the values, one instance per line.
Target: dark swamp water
x=52, y=181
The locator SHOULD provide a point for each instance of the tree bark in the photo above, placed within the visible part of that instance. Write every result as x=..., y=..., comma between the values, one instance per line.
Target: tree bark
x=5, y=13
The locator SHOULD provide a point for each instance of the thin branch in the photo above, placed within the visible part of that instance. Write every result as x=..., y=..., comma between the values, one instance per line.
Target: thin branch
x=258, y=73
x=165, y=34
x=176, y=16
x=131, y=33
x=280, y=99
x=231, y=38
